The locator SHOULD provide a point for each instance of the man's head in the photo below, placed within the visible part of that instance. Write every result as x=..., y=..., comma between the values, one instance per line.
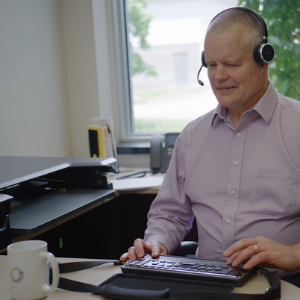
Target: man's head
x=256, y=32
x=237, y=78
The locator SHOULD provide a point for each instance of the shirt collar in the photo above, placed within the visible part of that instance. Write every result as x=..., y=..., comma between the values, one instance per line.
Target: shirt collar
x=264, y=107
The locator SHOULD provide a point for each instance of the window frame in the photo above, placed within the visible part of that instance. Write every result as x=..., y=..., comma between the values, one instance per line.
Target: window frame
x=120, y=73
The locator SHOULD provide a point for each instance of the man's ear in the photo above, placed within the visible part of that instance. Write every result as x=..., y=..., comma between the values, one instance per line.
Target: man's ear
x=264, y=68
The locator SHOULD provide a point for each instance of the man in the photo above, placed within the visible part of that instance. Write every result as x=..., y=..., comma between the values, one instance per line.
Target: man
x=237, y=168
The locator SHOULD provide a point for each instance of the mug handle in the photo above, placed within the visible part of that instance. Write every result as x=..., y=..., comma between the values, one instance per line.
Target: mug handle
x=55, y=272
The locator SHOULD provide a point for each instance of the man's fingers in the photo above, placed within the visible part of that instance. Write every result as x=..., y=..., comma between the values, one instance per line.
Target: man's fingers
x=155, y=250
x=239, y=246
x=232, y=258
x=124, y=257
x=243, y=255
x=141, y=248
x=255, y=260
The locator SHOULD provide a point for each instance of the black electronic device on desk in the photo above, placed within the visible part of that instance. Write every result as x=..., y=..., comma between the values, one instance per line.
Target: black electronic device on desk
x=5, y=237
x=40, y=191
x=189, y=268
x=161, y=151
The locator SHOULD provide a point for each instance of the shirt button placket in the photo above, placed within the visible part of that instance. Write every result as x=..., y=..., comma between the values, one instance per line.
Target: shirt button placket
x=233, y=190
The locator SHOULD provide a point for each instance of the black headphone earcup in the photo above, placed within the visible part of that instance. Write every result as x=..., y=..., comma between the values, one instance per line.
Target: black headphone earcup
x=204, y=64
x=263, y=53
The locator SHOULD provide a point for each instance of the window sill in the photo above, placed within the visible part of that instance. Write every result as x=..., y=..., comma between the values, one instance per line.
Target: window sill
x=133, y=148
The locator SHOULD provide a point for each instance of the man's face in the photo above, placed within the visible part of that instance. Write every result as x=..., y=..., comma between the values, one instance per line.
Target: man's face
x=238, y=82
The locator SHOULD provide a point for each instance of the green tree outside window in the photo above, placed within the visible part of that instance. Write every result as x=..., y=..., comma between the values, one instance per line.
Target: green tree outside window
x=283, y=23
x=138, y=28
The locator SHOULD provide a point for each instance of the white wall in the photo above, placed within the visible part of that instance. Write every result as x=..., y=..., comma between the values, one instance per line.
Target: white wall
x=86, y=44
x=34, y=112
x=50, y=84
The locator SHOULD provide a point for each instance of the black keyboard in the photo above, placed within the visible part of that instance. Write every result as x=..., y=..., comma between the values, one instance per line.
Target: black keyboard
x=189, y=268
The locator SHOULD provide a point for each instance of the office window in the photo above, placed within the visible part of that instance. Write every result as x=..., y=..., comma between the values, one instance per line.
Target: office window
x=165, y=40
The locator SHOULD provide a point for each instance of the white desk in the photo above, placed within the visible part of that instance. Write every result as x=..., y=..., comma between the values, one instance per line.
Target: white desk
x=147, y=184
x=95, y=276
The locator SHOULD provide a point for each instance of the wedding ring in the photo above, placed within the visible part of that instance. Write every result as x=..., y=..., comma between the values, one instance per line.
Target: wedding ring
x=256, y=249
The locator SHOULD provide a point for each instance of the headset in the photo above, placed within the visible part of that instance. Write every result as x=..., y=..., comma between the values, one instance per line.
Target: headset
x=262, y=54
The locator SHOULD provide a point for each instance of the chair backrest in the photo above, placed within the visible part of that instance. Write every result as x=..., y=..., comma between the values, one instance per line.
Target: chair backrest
x=186, y=248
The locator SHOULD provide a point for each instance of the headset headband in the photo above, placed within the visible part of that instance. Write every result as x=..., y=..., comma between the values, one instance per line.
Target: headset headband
x=255, y=14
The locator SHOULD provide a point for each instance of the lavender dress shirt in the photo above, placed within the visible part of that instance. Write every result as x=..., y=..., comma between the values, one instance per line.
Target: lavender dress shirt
x=238, y=183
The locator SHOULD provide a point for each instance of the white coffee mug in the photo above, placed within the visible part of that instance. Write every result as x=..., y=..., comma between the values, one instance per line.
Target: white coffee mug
x=29, y=270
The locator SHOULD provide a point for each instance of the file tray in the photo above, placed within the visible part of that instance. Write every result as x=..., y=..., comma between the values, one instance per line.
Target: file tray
x=131, y=287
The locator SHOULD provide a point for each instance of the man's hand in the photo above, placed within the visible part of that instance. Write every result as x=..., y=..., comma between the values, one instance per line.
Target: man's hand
x=265, y=252
x=139, y=249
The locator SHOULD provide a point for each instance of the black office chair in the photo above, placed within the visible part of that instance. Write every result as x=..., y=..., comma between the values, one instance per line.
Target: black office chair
x=186, y=248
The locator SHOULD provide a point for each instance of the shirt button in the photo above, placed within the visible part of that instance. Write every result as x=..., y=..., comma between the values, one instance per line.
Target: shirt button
x=236, y=163
x=228, y=220
x=232, y=192
x=238, y=134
